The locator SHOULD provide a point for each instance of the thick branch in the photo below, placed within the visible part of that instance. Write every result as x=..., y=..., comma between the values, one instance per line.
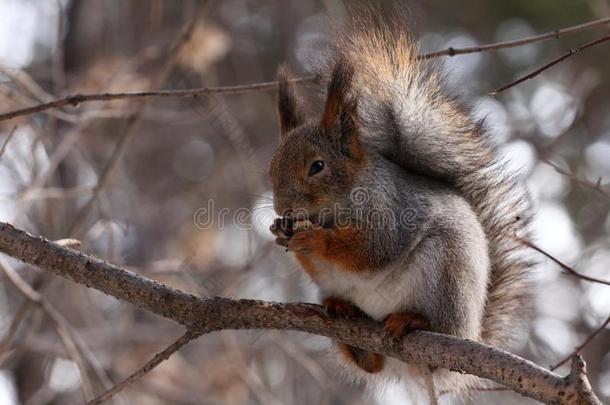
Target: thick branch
x=204, y=315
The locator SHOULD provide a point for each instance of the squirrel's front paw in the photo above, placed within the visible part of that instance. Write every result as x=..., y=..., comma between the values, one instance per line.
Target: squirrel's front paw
x=285, y=228
x=306, y=242
x=282, y=229
x=401, y=323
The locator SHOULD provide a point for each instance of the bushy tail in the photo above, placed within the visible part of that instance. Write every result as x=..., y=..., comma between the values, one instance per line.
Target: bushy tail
x=403, y=98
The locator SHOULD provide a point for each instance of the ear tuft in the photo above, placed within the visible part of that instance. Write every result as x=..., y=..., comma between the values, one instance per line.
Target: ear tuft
x=290, y=114
x=341, y=110
x=340, y=104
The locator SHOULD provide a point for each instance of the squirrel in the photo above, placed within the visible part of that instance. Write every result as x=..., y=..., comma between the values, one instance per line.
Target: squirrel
x=396, y=203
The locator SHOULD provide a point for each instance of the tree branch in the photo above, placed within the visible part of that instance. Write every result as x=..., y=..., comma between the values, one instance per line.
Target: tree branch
x=569, y=270
x=517, y=42
x=76, y=99
x=154, y=362
x=61, y=325
x=583, y=344
x=597, y=186
x=552, y=63
x=132, y=124
x=7, y=140
x=205, y=315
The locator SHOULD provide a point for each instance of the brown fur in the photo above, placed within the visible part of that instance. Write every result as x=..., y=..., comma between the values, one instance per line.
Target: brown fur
x=335, y=140
x=289, y=112
x=404, y=322
x=345, y=246
x=367, y=361
x=390, y=77
x=388, y=120
x=307, y=264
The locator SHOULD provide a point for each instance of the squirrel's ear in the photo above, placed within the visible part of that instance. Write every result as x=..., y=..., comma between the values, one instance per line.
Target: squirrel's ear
x=288, y=108
x=340, y=111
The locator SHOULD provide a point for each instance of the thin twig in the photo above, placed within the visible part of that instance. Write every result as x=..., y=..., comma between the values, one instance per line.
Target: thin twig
x=23, y=287
x=597, y=186
x=517, y=42
x=76, y=99
x=582, y=345
x=48, y=193
x=66, y=145
x=127, y=134
x=58, y=74
x=561, y=264
x=20, y=316
x=21, y=345
x=541, y=69
x=27, y=83
x=133, y=122
x=7, y=140
x=61, y=325
x=68, y=339
x=154, y=362
x=74, y=345
x=317, y=372
x=27, y=91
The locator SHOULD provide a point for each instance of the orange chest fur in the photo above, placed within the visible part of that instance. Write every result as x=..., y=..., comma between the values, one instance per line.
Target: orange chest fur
x=342, y=247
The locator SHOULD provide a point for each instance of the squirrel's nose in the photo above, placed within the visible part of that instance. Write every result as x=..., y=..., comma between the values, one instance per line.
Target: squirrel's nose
x=282, y=208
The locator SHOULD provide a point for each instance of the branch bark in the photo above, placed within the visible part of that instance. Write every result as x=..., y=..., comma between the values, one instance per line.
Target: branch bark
x=205, y=315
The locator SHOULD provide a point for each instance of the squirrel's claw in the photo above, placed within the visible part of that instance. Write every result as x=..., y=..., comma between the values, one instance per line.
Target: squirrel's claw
x=282, y=228
x=306, y=242
x=282, y=231
x=299, y=236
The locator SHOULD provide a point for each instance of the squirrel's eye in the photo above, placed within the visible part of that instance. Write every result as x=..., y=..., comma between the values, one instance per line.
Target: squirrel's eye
x=316, y=167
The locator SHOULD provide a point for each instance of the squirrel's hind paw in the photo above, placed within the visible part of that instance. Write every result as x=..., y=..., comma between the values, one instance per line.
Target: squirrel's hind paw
x=338, y=308
x=367, y=361
x=400, y=323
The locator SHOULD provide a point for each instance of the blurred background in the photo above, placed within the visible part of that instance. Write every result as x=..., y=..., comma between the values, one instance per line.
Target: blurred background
x=176, y=188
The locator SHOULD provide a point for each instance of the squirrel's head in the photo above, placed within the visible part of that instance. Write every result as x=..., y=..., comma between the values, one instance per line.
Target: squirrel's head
x=316, y=161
